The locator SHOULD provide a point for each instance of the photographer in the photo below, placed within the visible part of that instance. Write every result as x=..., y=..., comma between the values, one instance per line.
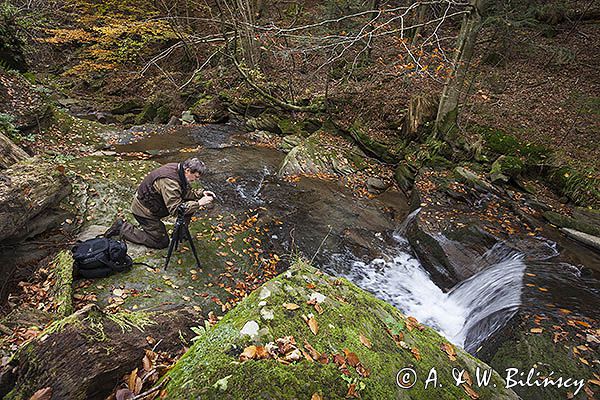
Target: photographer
x=159, y=195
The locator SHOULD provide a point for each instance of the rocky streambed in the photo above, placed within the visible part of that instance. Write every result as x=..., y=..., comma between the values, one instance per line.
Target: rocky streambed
x=474, y=261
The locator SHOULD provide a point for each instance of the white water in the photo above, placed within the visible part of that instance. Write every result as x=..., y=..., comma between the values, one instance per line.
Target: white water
x=469, y=313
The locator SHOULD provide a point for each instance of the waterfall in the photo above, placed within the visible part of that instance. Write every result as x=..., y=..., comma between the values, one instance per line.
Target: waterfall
x=466, y=315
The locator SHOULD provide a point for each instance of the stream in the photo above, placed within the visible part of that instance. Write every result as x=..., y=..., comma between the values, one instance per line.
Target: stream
x=363, y=240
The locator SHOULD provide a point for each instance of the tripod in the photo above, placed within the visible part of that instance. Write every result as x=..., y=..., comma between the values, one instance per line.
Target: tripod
x=180, y=233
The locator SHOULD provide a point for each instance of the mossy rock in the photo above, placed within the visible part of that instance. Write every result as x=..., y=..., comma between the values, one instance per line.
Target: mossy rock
x=506, y=167
x=127, y=107
x=350, y=318
x=572, y=223
x=148, y=113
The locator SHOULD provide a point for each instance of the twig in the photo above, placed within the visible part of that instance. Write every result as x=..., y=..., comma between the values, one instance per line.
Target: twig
x=321, y=245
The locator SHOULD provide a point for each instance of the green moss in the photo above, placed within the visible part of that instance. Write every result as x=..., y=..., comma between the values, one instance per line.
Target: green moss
x=580, y=186
x=127, y=320
x=211, y=368
x=63, y=296
x=148, y=113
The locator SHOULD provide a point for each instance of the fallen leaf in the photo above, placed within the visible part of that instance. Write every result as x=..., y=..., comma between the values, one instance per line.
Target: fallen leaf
x=291, y=306
x=352, y=358
x=312, y=324
x=131, y=381
x=42, y=394
x=366, y=342
x=536, y=330
x=449, y=350
x=311, y=350
x=316, y=396
x=352, y=391
x=469, y=391
x=249, y=353
x=416, y=354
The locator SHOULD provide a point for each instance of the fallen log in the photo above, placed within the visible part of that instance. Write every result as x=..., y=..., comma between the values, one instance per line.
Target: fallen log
x=85, y=355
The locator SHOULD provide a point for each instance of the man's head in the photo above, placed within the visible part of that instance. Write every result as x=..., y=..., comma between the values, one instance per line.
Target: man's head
x=193, y=169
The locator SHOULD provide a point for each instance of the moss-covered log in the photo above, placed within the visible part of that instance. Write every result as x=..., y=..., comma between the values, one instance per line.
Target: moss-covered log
x=356, y=343
x=84, y=355
x=63, y=283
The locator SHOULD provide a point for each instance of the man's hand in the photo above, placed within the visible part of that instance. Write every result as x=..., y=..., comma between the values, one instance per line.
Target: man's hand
x=207, y=198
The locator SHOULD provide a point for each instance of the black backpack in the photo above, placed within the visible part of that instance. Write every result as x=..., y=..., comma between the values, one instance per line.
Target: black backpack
x=100, y=257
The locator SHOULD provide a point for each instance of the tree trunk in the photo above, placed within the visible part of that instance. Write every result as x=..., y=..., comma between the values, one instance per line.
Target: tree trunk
x=447, y=114
x=421, y=109
x=26, y=190
x=10, y=153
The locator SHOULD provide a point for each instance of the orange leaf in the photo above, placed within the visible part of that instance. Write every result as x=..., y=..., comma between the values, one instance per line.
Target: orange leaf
x=469, y=390
x=416, y=354
x=448, y=349
x=352, y=358
x=131, y=381
x=316, y=396
x=291, y=306
x=536, y=330
x=249, y=353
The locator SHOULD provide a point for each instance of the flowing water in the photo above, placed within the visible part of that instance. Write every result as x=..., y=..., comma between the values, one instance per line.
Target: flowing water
x=354, y=230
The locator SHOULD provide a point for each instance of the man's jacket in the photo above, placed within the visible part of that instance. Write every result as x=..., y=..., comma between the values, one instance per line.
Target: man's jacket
x=162, y=191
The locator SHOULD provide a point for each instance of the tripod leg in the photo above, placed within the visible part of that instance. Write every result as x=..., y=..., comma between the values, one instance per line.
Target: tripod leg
x=191, y=240
x=172, y=245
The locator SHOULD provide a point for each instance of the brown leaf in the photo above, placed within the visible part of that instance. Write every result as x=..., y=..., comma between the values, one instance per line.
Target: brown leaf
x=411, y=323
x=362, y=371
x=138, y=385
x=323, y=358
x=147, y=365
x=316, y=396
x=449, y=350
x=42, y=394
x=249, y=353
x=261, y=352
x=352, y=391
x=131, y=381
x=536, y=330
x=352, y=358
x=416, y=354
x=311, y=350
x=291, y=306
x=339, y=360
x=318, y=308
x=366, y=342
x=469, y=391
x=313, y=325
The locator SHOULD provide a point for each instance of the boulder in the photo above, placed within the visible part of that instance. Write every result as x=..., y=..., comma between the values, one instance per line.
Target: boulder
x=27, y=190
x=377, y=185
x=582, y=220
x=10, y=153
x=311, y=157
x=306, y=333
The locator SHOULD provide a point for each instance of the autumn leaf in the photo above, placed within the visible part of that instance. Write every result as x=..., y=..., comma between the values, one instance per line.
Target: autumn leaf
x=312, y=323
x=416, y=354
x=248, y=354
x=316, y=396
x=449, y=350
x=366, y=342
x=291, y=306
x=470, y=392
x=131, y=381
x=42, y=394
x=352, y=391
x=311, y=350
x=352, y=358
x=536, y=330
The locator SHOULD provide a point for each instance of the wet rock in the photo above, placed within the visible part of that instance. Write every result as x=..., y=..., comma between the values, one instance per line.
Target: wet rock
x=589, y=240
x=349, y=313
x=261, y=136
x=581, y=221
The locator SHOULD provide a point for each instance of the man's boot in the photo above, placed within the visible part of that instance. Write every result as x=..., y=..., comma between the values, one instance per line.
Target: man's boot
x=115, y=228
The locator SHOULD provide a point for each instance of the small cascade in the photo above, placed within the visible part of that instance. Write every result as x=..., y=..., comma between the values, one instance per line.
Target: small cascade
x=469, y=313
